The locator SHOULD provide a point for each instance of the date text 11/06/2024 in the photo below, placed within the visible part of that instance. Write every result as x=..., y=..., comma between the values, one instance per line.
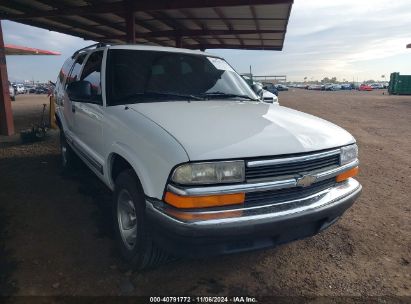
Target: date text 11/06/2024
x=239, y=299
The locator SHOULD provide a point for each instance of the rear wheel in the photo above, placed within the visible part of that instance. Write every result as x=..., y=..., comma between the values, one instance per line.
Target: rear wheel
x=132, y=234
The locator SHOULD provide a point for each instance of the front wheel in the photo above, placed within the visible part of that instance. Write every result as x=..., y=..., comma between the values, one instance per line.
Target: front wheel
x=132, y=233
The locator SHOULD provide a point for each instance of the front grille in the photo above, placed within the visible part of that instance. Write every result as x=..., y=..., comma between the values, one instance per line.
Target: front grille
x=293, y=168
x=283, y=195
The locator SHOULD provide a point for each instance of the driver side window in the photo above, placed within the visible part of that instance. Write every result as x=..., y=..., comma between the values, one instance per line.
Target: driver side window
x=92, y=74
x=75, y=69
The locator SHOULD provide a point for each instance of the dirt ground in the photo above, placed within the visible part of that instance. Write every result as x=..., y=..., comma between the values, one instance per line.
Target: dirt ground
x=56, y=234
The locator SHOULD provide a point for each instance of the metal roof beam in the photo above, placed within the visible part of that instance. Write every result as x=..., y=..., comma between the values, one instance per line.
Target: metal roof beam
x=199, y=23
x=196, y=33
x=234, y=46
x=65, y=23
x=257, y=23
x=118, y=7
x=186, y=4
x=228, y=24
x=119, y=27
x=177, y=27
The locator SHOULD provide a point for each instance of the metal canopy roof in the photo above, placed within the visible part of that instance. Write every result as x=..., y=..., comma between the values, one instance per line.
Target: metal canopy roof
x=193, y=24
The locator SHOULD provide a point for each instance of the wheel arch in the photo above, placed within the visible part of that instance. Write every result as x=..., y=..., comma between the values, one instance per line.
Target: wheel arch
x=121, y=159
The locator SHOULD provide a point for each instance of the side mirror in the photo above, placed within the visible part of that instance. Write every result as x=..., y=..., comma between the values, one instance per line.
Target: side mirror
x=80, y=91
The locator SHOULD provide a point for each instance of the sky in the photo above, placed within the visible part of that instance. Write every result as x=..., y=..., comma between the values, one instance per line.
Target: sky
x=348, y=39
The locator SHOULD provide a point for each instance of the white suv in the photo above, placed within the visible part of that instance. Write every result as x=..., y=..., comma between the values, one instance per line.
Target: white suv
x=198, y=164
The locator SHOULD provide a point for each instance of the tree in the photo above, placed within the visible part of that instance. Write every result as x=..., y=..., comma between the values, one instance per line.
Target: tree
x=329, y=80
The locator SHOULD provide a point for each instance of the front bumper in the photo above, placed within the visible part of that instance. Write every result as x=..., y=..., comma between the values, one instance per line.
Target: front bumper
x=222, y=231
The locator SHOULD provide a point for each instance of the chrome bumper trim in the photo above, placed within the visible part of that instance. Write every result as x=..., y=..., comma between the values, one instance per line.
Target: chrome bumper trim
x=334, y=172
x=255, y=187
x=288, y=183
x=239, y=216
x=277, y=161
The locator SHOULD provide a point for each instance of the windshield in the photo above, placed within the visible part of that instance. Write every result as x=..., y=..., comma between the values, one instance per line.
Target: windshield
x=135, y=76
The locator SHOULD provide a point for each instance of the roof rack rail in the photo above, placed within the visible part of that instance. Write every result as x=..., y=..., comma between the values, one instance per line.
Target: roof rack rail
x=95, y=46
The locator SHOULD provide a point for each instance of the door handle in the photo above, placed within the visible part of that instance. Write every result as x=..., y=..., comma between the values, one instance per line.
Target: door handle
x=73, y=108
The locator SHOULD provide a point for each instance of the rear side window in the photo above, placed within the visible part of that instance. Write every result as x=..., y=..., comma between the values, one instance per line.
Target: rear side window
x=75, y=71
x=92, y=73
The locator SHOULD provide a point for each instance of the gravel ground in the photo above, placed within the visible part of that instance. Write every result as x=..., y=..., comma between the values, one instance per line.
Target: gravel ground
x=56, y=236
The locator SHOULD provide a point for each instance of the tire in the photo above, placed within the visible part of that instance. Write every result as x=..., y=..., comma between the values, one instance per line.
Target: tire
x=13, y=98
x=68, y=157
x=131, y=231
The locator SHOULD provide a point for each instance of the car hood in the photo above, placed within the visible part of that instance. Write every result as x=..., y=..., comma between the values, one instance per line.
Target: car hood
x=233, y=129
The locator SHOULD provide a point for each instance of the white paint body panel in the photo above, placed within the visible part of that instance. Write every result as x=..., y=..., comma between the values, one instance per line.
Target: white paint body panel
x=233, y=129
x=155, y=137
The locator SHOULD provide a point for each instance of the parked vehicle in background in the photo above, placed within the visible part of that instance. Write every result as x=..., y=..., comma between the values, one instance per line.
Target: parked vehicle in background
x=270, y=87
x=364, y=87
x=41, y=90
x=270, y=97
x=316, y=87
x=263, y=94
x=377, y=86
x=332, y=87
x=197, y=163
x=12, y=92
x=20, y=89
x=346, y=86
x=281, y=87
x=31, y=90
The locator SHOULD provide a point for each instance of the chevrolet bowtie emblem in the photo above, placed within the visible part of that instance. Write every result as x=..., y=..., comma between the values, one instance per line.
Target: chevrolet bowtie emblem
x=306, y=180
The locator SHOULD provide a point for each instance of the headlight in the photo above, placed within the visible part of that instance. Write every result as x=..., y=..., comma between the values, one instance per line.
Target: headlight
x=209, y=173
x=348, y=154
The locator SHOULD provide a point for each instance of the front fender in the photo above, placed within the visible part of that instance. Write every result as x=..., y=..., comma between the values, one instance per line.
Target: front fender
x=128, y=154
x=149, y=149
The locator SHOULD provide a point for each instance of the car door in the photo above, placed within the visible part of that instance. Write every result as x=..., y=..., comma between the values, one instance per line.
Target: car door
x=88, y=115
x=72, y=75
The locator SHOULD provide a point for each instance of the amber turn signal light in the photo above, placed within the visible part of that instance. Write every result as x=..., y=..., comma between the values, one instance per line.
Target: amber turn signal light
x=204, y=201
x=347, y=174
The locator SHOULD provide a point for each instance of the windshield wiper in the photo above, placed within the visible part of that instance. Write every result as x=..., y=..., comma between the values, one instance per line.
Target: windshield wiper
x=172, y=94
x=149, y=96
x=227, y=95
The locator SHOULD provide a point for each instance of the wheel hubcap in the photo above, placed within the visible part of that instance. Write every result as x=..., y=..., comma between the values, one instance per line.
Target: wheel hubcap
x=127, y=219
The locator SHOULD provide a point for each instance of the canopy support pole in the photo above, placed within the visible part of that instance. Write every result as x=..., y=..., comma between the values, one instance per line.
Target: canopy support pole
x=6, y=114
x=179, y=42
x=130, y=23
